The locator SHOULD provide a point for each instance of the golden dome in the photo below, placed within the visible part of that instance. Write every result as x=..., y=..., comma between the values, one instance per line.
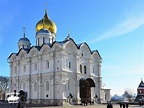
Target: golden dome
x=46, y=23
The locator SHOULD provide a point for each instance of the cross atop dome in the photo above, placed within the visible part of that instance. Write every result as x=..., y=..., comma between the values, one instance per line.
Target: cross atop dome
x=24, y=31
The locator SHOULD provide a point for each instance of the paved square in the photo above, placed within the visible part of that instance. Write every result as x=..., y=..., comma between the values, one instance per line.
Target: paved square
x=89, y=106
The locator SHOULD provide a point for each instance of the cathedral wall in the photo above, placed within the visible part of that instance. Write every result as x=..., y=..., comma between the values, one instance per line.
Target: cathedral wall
x=61, y=90
x=47, y=76
x=95, y=69
x=47, y=61
x=45, y=87
x=58, y=63
x=13, y=70
x=105, y=95
x=69, y=61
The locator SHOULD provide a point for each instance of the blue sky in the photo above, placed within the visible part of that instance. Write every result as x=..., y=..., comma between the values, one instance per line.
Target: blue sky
x=113, y=27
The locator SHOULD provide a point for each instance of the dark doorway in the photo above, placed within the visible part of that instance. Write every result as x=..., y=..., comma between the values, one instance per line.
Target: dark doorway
x=85, y=89
x=91, y=82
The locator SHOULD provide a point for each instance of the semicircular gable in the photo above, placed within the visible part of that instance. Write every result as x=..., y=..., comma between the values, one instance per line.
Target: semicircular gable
x=70, y=46
x=22, y=54
x=21, y=51
x=33, y=51
x=56, y=45
x=96, y=56
x=45, y=48
x=12, y=57
x=85, y=50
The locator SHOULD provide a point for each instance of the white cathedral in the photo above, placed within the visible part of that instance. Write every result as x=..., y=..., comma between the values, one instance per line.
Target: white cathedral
x=51, y=70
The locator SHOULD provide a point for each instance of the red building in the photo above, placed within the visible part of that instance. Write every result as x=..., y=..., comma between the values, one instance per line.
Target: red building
x=140, y=92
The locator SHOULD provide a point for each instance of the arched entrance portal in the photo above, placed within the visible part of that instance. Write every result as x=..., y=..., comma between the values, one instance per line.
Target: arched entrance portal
x=85, y=89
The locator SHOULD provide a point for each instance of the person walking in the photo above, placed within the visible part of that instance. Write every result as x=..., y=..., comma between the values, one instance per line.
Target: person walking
x=120, y=105
x=123, y=105
x=127, y=105
x=109, y=104
x=70, y=97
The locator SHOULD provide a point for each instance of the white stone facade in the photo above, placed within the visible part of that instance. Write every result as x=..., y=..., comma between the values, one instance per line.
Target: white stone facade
x=51, y=70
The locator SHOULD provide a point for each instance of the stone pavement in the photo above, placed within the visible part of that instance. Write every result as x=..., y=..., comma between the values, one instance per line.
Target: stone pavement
x=89, y=106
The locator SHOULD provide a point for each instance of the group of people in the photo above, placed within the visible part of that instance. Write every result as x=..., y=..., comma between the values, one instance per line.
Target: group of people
x=141, y=103
x=124, y=105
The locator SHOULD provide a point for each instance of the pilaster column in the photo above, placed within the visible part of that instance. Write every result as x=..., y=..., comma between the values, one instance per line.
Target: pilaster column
x=11, y=70
x=54, y=84
x=76, y=78
x=62, y=56
x=39, y=76
x=89, y=67
x=29, y=82
x=99, y=81
x=18, y=74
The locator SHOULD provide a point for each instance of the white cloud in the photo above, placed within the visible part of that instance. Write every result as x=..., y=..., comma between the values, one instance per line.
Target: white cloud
x=126, y=26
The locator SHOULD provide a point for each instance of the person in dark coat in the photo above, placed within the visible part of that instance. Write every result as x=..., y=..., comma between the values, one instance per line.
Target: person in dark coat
x=127, y=105
x=123, y=105
x=19, y=106
x=120, y=105
x=109, y=105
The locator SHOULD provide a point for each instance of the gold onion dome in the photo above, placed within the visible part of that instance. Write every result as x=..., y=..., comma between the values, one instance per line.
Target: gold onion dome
x=46, y=23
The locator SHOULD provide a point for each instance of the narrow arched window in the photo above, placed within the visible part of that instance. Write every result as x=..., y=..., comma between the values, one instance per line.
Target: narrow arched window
x=80, y=69
x=43, y=40
x=85, y=69
x=68, y=85
x=47, y=85
x=139, y=91
x=35, y=86
x=15, y=69
x=23, y=86
x=24, y=68
x=47, y=64
x=53, y=39
x=69, y=64
x=35, y=66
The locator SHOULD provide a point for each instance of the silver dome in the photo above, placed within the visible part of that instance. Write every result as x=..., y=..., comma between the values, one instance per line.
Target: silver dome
x=24, y=39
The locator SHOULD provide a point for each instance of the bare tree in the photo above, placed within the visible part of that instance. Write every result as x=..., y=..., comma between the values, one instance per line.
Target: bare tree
x=128, y=93
x=4, y=85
